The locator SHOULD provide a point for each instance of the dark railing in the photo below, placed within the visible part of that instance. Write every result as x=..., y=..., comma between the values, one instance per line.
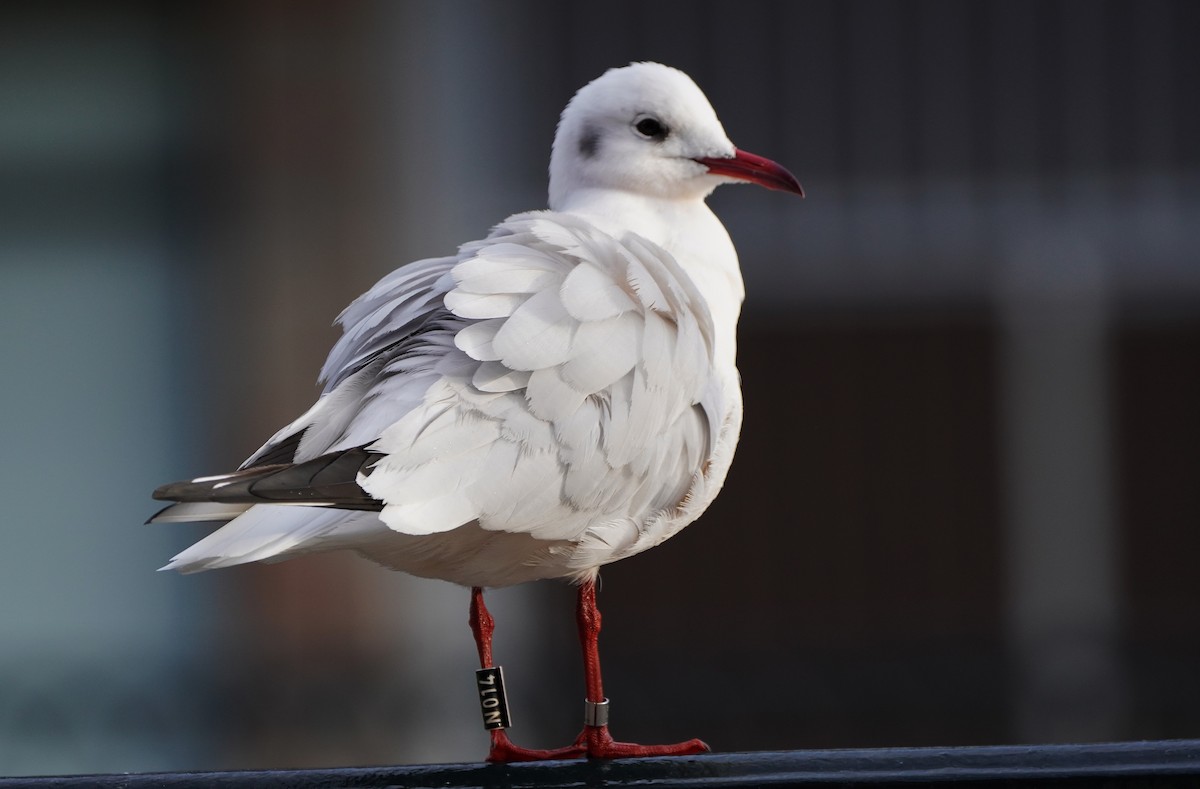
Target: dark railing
x=1146, y=765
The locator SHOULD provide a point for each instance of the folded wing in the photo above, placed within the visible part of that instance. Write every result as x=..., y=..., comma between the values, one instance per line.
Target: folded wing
x=550, y=380
x=578, y=396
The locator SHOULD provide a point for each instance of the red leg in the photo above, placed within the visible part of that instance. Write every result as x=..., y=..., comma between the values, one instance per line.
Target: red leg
x=599, y=743
x=503, y=750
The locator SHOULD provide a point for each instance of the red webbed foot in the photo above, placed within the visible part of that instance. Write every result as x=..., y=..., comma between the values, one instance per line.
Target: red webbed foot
x=599, y=744
x=503, y=750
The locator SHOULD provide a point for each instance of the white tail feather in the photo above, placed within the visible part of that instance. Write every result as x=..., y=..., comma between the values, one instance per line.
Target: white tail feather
x=273, y=531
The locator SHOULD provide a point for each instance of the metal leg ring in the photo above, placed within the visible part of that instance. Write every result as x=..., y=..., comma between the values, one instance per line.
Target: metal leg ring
x=595, y=714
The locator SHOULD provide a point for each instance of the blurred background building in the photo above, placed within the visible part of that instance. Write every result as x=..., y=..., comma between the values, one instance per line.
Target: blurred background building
x=966, y=508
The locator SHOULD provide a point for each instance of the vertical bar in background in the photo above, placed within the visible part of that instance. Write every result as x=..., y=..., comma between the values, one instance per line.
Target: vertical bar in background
x=94, y=652
x=1063, y=596
x=1062, y=541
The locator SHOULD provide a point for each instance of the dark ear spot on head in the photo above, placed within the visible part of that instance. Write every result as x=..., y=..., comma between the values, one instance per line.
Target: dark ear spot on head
x=589, y=143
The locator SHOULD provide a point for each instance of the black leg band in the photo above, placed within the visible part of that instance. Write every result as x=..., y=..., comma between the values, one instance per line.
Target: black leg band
x=493, y=702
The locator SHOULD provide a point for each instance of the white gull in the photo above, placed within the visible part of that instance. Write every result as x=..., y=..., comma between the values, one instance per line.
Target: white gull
x=557, y=396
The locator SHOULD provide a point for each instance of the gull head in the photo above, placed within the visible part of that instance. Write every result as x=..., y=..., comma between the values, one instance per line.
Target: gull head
x=648, y=129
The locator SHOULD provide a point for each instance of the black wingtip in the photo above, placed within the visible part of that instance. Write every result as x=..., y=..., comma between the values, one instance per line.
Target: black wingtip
x=325, y=481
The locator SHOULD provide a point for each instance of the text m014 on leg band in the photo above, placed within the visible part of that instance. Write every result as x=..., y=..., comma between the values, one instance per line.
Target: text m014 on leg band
x=493, y=702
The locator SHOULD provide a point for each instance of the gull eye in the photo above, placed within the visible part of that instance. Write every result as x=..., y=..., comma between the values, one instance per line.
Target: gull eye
x=651, y=128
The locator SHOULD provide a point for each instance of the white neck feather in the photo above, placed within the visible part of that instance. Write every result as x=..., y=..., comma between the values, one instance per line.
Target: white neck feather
x=691, y=232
